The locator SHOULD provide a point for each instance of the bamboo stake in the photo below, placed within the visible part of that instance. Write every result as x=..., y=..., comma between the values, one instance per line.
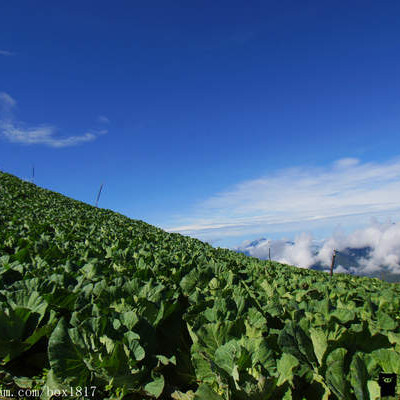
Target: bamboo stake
x=333, y=261
x=98, y=195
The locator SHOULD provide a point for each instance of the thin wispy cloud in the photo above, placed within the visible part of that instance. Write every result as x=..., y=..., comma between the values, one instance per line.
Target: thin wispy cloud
x=45, y=135
x=102, y=119
x=16, y=131
x=6, y=102
x=6, y=53
x=301, y=196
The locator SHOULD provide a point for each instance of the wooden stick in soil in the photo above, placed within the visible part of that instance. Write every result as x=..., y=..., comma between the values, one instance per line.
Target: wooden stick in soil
x=98, y=195
x=333, y=261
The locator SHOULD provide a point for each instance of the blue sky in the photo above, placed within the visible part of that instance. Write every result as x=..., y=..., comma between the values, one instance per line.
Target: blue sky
x=225, y=120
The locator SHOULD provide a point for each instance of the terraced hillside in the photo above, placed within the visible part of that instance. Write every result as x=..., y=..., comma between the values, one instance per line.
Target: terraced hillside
x=116, y=308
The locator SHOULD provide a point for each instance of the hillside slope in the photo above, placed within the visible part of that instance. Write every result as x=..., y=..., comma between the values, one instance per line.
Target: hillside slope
x=90, y=298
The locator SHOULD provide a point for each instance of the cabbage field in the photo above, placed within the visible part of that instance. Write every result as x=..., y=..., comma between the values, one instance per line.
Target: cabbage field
x=114, y=308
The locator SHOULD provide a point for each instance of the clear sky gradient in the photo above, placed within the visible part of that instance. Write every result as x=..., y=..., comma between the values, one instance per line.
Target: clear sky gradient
x=225, y=120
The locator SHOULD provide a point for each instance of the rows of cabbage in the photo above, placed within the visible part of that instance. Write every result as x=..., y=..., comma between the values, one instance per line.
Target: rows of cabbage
x=89, y=298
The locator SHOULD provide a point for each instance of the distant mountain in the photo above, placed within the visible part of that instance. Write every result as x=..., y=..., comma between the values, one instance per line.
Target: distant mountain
x=347, y=260
x=259, y=247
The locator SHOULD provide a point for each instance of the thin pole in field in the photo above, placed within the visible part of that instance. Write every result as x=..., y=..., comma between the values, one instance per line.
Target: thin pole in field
x=333, y=260
x=98, y=195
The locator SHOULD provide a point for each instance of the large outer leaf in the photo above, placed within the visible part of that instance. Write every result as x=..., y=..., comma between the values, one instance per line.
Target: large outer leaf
x=80, y=356
x=29, y=299
x=335, y=373
x=388, y=359
x=227, y=355
x=320, y=343
x=285, y=367
x=20, y=323
x=52, y=385
x=386, y=322
x=295, y=341
x=155, y=387
x=359, y=378
x=374, y=390
x=65, y=359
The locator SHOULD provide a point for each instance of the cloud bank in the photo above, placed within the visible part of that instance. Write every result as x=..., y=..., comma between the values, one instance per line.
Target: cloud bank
x=16, y=131
x=382, y=240
x=298, y=199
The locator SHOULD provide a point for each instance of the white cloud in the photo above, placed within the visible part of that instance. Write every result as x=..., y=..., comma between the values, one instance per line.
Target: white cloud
x=383, y=240
x=41, y=135
x=297, y=199
x=18, y=132
x=299, y=253
x=340, y=270
x=6, y=53
x=346, y=162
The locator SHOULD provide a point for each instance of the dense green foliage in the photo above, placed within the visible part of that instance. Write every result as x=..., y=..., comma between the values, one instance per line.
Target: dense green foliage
x=89, y=297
